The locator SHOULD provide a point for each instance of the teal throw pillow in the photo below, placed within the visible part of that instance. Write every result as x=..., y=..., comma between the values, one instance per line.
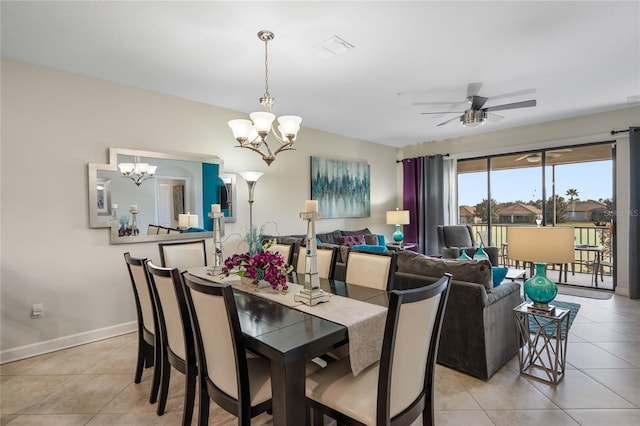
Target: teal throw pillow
x=364, y=247
x=464, y=256
x=499, y=274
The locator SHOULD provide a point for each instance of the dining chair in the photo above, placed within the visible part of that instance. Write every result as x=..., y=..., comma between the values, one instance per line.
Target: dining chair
x=399, y=388
x=153, y=230
x=239, y=384
x=285, y=250
x=148, y=337
x=163, y=230
x=326, y=261
x=371, y=269
x=183, y=254
x=177, y=348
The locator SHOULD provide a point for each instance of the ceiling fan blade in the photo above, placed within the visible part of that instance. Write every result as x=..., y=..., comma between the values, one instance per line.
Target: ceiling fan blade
x=448, y=121
x=477, y=102
x=443, y=112
x=514, y=94
x=551, y=154
x=561, y=150
x=523, y=104
x=439, y=103
x=473, y=89
x=494, y=117
x=522, y=157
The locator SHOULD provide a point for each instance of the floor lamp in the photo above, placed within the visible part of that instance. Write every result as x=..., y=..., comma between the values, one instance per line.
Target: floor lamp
x=251, y=177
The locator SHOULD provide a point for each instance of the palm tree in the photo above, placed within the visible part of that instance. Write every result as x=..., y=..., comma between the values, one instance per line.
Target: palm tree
x=572, y=193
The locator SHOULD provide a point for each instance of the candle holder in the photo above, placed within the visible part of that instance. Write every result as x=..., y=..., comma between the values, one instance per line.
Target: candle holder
x=218, y=262
x=134, y=221
x=311, y=294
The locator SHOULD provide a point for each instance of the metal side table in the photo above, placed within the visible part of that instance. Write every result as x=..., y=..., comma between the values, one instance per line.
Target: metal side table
x=543, y=352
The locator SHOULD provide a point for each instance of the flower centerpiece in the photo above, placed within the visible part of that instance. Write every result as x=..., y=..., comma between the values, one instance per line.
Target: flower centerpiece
x=262, y=265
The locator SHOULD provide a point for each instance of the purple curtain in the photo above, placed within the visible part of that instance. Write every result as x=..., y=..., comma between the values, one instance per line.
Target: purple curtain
x=423, y=196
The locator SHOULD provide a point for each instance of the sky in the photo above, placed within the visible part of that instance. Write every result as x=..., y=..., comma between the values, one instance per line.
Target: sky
x=593, y=181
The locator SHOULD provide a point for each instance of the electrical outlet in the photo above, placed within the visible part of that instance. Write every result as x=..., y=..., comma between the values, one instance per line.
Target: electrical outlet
x=37, y=310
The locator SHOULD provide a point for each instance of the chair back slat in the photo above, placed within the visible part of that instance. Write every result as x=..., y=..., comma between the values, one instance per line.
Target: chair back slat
x=140, y=280
x=409, y=350
x=368, y=269
x=211, y=313
x=326, y=261
x=183, y=254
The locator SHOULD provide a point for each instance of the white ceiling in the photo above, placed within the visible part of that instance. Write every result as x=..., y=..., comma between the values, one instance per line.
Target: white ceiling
x=580, y=57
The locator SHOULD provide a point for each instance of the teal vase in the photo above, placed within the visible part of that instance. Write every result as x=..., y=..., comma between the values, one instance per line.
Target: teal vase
x=540, y=289
x=480, y=253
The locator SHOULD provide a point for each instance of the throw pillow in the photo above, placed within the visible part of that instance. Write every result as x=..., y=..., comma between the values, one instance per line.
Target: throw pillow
x=352, y=240
x=367, y=247
x=499, y=273
x=372, y=240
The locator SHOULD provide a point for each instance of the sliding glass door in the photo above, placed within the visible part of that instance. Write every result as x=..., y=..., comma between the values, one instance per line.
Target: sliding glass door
x=568, y=186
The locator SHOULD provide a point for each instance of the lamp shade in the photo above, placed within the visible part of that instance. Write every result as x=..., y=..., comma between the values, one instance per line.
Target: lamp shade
x=547, y=244
x=250, y=176
x=398, y=217
x=188, y=220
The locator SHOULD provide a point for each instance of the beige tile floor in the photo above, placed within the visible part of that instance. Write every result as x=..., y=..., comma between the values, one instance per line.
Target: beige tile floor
x=93, y=384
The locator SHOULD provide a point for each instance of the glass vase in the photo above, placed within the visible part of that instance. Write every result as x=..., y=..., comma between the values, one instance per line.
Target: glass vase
x=540, y=289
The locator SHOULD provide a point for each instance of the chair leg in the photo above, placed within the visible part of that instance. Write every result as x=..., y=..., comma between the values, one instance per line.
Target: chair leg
x=189, y=395
x=141, y=358
x=157, y=373
x=318, y=417
x=203, y=407
x=164, y=385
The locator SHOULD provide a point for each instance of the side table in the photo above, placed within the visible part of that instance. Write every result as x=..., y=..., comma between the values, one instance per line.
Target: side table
x=543, y=352
x=398, y=247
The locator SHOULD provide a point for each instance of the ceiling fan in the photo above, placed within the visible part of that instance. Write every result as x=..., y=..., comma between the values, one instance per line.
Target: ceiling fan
x=476, y=114
x=536, y=157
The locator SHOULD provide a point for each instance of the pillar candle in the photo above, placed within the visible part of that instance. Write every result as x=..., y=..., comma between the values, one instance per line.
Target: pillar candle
x=114, y=206
x=311, y=206
x=215, y=208
x=134, y=207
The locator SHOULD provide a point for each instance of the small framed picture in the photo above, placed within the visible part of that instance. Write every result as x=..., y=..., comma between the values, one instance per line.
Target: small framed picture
x=103, y=196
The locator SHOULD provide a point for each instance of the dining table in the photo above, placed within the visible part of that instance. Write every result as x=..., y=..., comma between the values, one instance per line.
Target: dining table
x=291, y=337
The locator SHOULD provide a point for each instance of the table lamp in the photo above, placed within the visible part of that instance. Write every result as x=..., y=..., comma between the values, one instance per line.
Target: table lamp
x=541, y=245
x=398, y=217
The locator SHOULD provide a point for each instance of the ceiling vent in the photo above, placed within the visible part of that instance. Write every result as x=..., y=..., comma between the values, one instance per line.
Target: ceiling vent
x=331, y=47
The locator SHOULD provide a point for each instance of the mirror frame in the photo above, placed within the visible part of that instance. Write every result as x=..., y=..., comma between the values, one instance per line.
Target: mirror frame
x=114, y=225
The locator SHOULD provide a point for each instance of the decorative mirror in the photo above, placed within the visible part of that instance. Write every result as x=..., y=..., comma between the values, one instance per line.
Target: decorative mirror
x=150, y=196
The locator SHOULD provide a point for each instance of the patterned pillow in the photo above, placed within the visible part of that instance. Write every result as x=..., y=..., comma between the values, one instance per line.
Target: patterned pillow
x=352, y=240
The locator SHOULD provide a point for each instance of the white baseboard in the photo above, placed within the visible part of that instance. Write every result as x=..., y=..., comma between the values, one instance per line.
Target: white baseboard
x=65, y=342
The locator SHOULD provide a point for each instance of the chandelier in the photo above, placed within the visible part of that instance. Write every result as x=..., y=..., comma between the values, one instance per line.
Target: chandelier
x=137, y=172
x=252, y=134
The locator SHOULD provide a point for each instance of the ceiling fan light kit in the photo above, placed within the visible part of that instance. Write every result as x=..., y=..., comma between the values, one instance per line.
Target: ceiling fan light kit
x=472, y=118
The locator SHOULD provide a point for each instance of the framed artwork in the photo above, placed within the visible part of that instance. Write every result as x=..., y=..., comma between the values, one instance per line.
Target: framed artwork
x=103, y=196
x=342, y=188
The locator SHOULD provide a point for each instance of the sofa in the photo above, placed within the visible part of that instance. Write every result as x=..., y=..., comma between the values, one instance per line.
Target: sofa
x=454, y=239
x=343, y=239
x=478, y=333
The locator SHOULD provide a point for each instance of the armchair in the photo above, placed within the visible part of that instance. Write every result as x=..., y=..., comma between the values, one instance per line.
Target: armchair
x=452, y=239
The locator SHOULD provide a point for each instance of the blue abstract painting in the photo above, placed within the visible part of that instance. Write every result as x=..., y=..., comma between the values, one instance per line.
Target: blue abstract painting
x=342, y=188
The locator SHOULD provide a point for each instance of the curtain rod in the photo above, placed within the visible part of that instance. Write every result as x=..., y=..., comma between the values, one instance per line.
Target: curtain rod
x=615, y=132
x=400, y=161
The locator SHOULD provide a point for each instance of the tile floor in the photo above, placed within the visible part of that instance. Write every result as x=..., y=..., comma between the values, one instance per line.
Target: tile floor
x=93, y=384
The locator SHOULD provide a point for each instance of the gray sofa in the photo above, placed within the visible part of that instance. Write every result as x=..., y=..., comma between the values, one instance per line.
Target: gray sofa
x=478, y=332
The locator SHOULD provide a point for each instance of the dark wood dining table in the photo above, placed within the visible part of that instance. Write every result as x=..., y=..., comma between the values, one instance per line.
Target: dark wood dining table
x=289, y=338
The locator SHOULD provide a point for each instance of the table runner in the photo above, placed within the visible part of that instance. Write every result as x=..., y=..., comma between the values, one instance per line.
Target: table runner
x=364, y=321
